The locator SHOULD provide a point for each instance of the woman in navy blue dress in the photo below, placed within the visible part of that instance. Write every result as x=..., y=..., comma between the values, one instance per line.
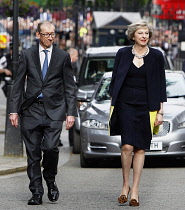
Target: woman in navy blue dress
x=137, y=88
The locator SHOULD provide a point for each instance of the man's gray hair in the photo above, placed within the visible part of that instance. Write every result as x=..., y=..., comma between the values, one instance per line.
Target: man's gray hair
x=45, y=22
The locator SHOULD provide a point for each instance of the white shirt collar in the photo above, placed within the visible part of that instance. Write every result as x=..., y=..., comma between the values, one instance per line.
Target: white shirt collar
x=49, y=49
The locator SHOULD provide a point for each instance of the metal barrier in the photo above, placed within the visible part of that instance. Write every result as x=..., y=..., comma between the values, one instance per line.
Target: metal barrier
x=178, y=63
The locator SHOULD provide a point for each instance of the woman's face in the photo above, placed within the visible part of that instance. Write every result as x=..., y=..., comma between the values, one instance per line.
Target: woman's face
x=141, y=36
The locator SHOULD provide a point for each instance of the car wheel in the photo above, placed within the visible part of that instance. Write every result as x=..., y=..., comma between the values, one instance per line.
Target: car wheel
x=76, y=140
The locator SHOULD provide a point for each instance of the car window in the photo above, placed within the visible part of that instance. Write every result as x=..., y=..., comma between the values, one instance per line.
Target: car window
x=103, y=90
x=95, y=69
x=175, y=84
x=94, y=66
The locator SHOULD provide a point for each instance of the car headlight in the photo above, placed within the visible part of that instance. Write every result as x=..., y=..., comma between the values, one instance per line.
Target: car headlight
x=95, y=124
x=181, y=125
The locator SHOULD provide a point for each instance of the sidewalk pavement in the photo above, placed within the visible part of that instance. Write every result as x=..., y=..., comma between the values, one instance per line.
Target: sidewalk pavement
x=9, y=165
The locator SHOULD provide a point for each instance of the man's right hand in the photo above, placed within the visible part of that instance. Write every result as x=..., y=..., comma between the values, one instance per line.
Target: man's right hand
x=14, y=119
x=7, y=72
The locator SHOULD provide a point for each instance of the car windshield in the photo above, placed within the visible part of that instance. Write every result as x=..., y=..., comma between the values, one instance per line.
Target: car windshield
x=95, y=69
x=175, y=85
x=103, y=90
x=95, y=65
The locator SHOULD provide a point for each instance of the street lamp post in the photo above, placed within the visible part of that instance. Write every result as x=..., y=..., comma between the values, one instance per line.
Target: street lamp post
x=13, y=145
x=76, y=23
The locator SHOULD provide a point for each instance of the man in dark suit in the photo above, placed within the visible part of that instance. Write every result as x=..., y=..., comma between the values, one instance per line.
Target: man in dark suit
x=49, y=98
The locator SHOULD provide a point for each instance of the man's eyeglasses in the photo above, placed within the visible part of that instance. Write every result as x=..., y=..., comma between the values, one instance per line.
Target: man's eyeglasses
x=46, y=35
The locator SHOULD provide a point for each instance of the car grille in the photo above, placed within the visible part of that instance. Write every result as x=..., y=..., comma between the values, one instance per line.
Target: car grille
x=164, y=130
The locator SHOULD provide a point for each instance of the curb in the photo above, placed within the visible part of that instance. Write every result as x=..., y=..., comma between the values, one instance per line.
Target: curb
x=13, y=170
x=10, y=165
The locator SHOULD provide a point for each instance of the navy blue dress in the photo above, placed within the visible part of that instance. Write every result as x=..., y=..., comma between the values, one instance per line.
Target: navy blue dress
x=132, y=109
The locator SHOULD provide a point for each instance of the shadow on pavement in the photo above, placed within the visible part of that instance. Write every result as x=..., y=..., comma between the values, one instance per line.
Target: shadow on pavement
x=156, y=162
x=164, y=162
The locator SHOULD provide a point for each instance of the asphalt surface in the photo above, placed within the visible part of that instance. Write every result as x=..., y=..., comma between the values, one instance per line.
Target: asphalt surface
x=161, y=187
x=10, y=165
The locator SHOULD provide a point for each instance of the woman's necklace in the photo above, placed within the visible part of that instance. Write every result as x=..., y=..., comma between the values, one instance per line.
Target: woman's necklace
x=140, y=56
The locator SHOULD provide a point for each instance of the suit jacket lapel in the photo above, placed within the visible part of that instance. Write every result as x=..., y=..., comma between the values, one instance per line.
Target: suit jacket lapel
x=124, y=65
x=36, y=59
x=149, y=66
x=125, y=62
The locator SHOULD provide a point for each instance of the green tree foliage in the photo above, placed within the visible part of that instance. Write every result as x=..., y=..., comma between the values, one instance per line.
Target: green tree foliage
x=30, y=7
x=55, y=4
x=50, y=4
x=97, y=3
x=25, y=8
x=67, y=3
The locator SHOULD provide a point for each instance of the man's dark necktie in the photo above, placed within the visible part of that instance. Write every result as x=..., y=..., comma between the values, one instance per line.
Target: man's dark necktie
x=45, y=65
x=44, y=68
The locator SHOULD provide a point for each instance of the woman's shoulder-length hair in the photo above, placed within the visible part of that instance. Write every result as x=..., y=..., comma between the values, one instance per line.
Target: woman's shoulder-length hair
x=132, y=28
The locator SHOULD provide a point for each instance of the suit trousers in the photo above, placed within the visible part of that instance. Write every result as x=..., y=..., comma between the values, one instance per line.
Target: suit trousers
x=41, y=137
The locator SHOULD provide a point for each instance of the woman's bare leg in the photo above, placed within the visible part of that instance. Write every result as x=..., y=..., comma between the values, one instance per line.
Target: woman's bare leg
x=138, y=162
x=126, y=160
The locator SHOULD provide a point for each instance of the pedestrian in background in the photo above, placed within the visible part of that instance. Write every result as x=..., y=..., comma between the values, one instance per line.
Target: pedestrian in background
x=6, y=69
x=138, y=90
x=49, y=98
x=74, y=57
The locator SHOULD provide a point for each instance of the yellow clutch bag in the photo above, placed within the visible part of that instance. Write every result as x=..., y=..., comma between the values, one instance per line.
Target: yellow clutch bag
x=154, y=129
x=110, y=114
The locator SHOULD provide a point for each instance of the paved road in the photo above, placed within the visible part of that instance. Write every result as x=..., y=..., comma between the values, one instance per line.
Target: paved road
x=162, y=187
x=98, y=188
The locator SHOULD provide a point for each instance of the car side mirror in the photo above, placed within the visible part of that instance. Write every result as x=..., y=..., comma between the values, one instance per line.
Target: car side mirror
x=82, y=96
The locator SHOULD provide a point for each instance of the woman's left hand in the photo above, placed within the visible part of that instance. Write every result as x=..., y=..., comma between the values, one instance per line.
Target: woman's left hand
x=158, y=120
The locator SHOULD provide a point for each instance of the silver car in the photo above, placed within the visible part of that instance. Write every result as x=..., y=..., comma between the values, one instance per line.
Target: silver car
x=90, y=73
x=170, y=141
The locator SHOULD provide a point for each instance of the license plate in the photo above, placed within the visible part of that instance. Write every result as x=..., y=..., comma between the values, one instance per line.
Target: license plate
x=156, y=146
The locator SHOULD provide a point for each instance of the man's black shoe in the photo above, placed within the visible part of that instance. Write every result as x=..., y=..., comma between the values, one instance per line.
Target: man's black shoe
x=35, y=200
x=53, y=192
x=60, y=143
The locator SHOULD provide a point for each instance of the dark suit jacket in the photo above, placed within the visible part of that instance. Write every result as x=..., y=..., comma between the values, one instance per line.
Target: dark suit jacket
x=58, y=87
x=155, y=74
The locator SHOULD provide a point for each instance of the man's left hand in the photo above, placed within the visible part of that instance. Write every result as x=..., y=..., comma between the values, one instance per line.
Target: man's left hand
x=69, y=122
